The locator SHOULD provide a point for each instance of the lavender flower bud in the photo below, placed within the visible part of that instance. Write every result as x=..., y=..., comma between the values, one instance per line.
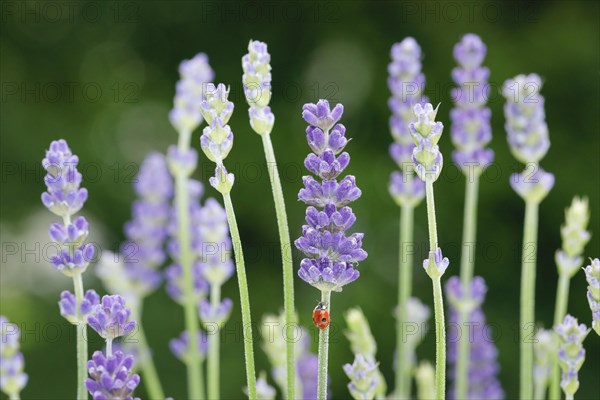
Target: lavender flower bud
x=174, y=276
x=592, y=275
x=73, y=234
x=425, y=377
x=426, y=133
x=111, y=377
x=12, y=363
x=222, y=181
x=261, y=120
x=195, y=74
x=574, y=238
x=363, y=381
x=362, y=343
x=76, y=262
x=331, y=255
x=525, y=118
x=63, y=197
x=571, y=353
x=264, y=391
x=483, y=365
x=532, y=187
x=218, y=314
x=182, y=162
x=436, y=264
x=110, y=318
x=544, y=350
x=180, y=346
x=68, y=305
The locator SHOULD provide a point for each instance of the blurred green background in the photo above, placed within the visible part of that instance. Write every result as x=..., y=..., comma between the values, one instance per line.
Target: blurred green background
x=101, y=75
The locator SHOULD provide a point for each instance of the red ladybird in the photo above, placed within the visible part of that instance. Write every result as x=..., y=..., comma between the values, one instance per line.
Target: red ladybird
x=321, y=316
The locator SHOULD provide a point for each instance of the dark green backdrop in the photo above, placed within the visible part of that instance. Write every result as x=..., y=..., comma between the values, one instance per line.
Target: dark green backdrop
x=101, y=75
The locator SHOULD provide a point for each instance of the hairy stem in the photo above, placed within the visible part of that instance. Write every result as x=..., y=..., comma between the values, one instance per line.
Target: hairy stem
x=467, y=263
x=286, y=257
x=405, y=265
x=560, y=310
x=440, y=327
x=527, y=322
x=82, y=346
x=323, y=351
x=214, y=342
x=150, y=375
x=244, y=297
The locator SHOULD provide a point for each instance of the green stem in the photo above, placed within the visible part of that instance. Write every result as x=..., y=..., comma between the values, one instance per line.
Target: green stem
x=440, y=340
x=467, y=263
x=527, y=322
x=150, y=376
x=569, y=397
x=403, y=349
x=14, y=396
x=323, y=351
x=560, y=310
x=214, y=341
x=438, y=303
x=286, y=257
x=194, y=378
x=244, y=297
x=82, y=346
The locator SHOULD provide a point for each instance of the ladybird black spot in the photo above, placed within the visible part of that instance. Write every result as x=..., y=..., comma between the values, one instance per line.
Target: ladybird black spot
x=323, y=319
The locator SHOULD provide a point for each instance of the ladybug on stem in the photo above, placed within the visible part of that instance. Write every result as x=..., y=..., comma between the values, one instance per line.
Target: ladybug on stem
x=321, y=316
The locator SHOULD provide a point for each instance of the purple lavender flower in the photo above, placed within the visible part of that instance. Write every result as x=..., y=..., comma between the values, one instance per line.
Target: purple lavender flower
x=111, y=377
x=264, y=391
x=331, y=255
x=68, y=305
x=195, y=74
x=218, y=314
x=363, y=379
x=571, y=353
x=180, y=346
x=525, y=118
x=63, y=197
x=406, y=84
x=110, y=318
x=534, y=186
x=483, y=366
x=217, y=138
x=592, y=275
x=425, y=133
x=12, y=362
x=174, y=276
x=470, y=129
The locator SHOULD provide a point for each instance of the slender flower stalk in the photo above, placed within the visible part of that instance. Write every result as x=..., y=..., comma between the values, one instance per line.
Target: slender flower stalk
x=527, y=134
x=330, y=255
x=470, y=132
x=185, y=118
x=571, y=353
x=216, y=268
x=592, y=275
x=257, y=89
x=406, y=84
x=428, y=160
x=568, y=261
x=216, y=142
x=64, y=197
x=12, y=363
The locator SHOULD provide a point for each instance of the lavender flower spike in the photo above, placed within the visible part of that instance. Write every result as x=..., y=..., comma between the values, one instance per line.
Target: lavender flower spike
x=195, y=74
x=483, y=366
x=426, y=132
x=110, y=318
x=12, y=362
x=331, y=254
x=68, y=305
x=470, y=129
x=571, y=353
x=363, y=381
x=111, y=377
x=592, y=275
x=257, y=87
